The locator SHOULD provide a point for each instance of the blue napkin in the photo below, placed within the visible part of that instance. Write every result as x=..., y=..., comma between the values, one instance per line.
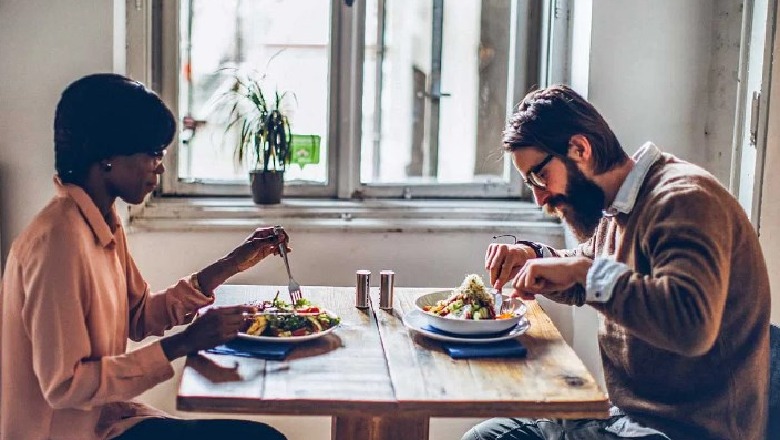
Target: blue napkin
x=508, y=348
x=255, y=349
x=460, y=350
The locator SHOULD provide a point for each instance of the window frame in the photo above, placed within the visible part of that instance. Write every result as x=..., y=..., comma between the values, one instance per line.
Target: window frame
x=152, y=57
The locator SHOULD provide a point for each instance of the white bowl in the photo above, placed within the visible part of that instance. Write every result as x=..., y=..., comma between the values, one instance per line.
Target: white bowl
x=468, y=326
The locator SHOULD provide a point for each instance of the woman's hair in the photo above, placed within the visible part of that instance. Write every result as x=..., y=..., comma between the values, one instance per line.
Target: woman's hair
x=548, y=118
x=104, y=115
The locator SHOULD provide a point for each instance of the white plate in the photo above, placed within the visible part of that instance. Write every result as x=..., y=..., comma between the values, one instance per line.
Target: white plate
x=468, y=327
x=288, y=339
x=416, y=321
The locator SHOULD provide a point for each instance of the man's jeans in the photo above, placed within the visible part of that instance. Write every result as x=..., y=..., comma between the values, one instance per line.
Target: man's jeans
x=618, y=426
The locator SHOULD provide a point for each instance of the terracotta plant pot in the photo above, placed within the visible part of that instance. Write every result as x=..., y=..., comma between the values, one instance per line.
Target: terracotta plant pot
x=267, y=186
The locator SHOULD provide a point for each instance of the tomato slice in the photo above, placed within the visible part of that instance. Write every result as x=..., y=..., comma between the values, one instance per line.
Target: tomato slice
x=309, y=310
x=299, y=332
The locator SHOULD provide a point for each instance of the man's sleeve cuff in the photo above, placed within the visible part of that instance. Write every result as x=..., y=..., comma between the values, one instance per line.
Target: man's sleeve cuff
x=541, y=250
x=601, y=279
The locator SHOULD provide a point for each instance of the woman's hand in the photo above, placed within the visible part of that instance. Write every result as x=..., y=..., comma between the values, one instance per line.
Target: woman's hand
x=503, y=261
x=215, y=326
x=262, y=243
x=547, y=275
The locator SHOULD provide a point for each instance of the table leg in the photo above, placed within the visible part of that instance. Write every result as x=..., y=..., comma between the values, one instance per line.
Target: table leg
x=380, y=428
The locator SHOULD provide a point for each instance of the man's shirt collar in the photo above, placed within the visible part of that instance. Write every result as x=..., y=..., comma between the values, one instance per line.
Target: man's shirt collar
x=625, y=199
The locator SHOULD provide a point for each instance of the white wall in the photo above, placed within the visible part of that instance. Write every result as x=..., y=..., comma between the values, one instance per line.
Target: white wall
x=649, y=65
x=323, y=258
x=43, y=46
x=769, y=226
x=666, y=71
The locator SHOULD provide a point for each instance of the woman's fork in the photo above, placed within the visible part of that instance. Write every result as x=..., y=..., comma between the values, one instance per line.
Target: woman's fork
x=292, y=286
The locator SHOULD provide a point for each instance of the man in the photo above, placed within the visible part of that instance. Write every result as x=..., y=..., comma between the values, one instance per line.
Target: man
x=669, y=259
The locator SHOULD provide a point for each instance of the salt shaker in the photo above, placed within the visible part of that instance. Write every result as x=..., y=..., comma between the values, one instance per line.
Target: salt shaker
x=362, y=287
x=386, y=283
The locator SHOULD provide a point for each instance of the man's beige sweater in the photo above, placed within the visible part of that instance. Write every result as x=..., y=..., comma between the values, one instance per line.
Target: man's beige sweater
x=684, y=338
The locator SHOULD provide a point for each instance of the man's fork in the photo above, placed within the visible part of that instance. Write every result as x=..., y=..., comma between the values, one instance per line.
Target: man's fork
x=502, y=304
x=292, y=286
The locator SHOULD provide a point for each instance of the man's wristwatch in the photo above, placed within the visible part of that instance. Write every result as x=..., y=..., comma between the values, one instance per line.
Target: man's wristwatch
x=533, y=245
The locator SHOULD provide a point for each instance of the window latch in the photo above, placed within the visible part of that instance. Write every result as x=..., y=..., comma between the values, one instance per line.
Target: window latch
x=755, y=105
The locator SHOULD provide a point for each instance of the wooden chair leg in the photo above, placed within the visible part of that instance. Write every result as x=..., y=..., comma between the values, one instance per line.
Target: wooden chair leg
x=380, y=428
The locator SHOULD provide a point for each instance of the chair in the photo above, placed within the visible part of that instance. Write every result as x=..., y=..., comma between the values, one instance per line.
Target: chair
x=773, y=422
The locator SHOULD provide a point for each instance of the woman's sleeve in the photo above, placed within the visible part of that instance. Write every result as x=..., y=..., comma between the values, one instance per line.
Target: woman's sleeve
x=153, y=313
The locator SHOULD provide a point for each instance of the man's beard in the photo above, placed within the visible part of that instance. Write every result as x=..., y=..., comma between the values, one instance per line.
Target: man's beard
x=582, y=205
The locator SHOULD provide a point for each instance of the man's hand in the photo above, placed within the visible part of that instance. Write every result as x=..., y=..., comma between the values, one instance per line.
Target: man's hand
x=503, y=261
x=216, y=326
x=547, y=275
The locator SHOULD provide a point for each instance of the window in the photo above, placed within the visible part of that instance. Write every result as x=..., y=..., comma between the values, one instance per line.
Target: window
x=404, y=98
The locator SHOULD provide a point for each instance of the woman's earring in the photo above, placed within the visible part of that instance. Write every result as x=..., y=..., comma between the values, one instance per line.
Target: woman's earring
x=107, y=167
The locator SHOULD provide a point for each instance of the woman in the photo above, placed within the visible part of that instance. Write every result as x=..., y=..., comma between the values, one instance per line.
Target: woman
x=72, y=295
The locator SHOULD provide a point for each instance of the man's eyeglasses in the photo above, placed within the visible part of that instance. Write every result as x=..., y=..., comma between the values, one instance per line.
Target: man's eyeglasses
x=511, y=239
x=505, y=239
x=533, y=179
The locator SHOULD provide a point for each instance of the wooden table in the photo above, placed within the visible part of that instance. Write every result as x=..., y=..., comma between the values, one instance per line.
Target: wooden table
x=379, y=381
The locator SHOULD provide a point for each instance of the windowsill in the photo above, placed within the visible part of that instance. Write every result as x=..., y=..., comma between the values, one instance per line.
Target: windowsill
x=317, y=215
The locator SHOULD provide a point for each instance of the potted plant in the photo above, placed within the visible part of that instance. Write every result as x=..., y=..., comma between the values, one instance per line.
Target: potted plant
x=264, y=138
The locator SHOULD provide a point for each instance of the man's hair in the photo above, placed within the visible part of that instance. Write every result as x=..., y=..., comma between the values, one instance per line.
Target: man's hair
x=104, y=115
x=547, y=118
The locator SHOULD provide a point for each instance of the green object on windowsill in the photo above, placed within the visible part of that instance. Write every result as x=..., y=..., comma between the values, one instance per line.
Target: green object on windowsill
x=305, y=149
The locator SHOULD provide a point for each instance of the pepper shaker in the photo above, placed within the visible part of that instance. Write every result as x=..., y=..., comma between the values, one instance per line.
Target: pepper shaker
x=362, y=287
x=386, y=284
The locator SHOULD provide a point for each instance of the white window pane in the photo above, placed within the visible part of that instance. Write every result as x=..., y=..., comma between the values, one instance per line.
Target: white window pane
x=285, y=41
x=411, y=134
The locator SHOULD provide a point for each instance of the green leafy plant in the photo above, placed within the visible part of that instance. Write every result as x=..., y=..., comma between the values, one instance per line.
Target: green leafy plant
x=265, y=135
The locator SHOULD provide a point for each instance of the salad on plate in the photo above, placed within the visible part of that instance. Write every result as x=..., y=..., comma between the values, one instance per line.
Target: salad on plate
x=472, y=300
x=277, y=318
